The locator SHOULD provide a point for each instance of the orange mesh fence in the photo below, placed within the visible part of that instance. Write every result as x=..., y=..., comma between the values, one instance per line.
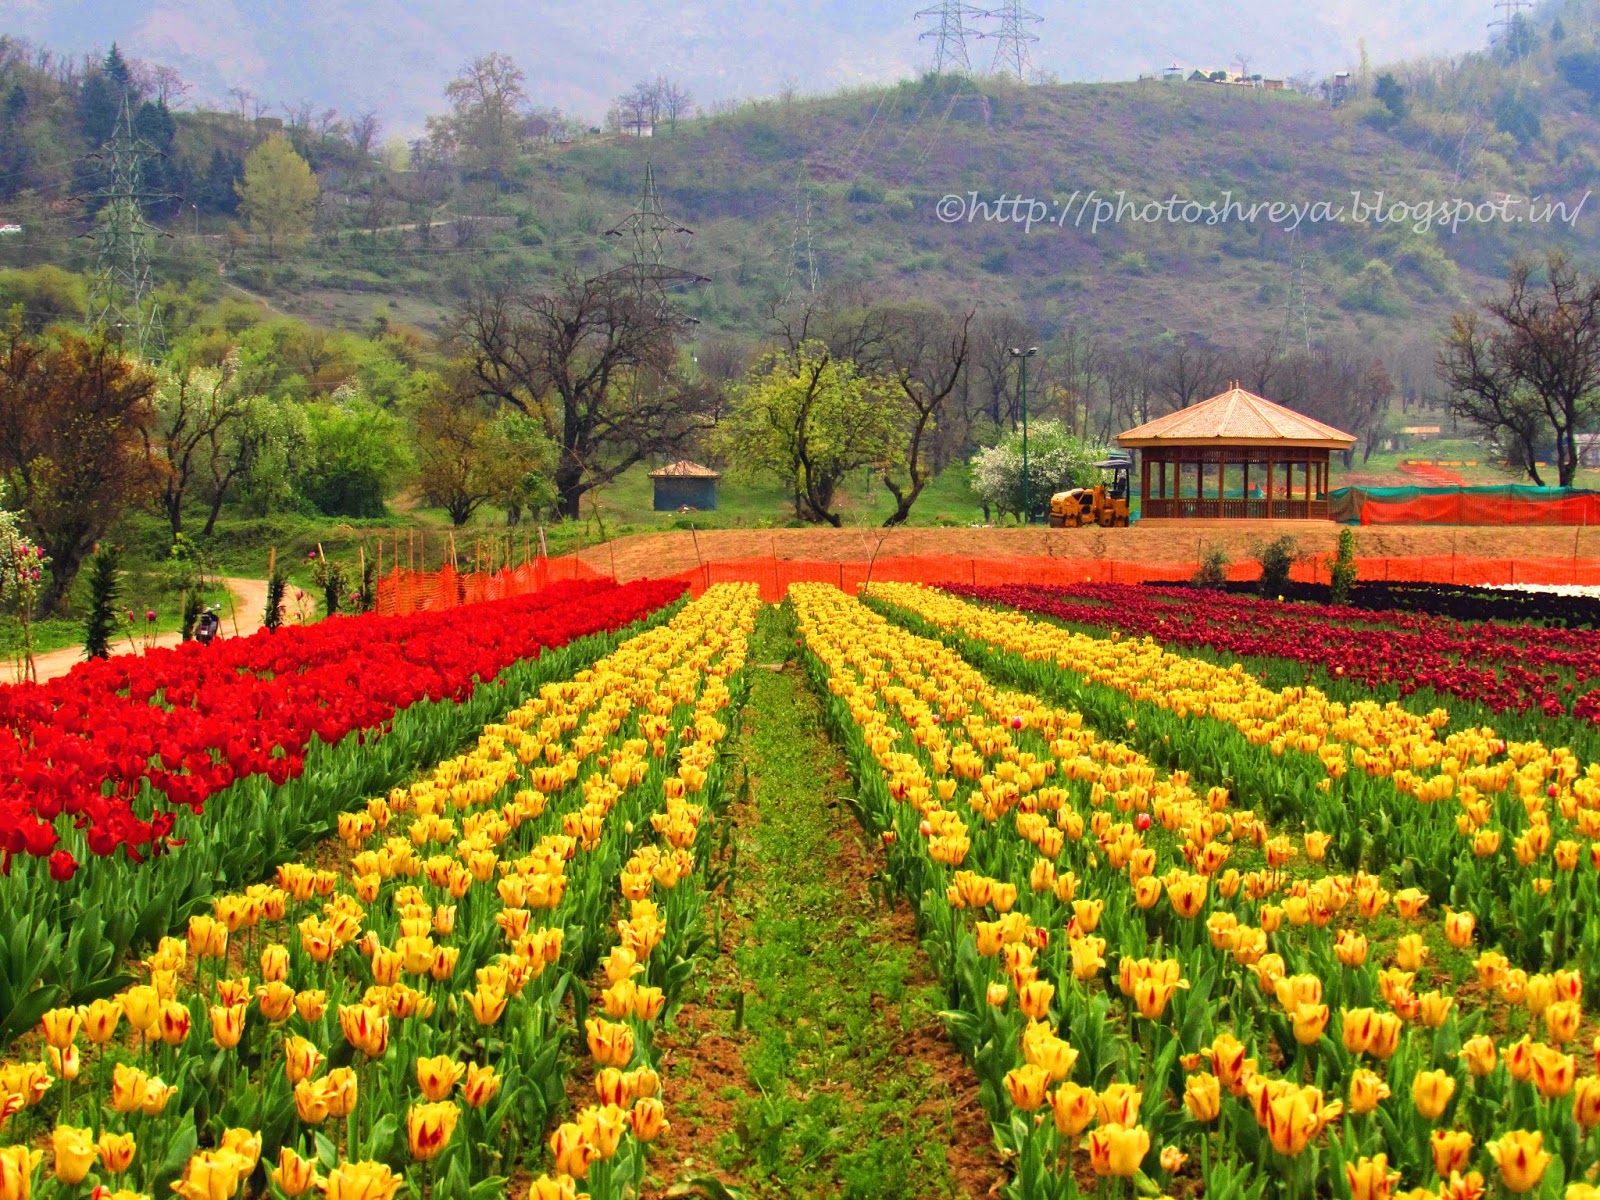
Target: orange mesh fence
x=1465, y=508
x=403, y=591
x=415, y=591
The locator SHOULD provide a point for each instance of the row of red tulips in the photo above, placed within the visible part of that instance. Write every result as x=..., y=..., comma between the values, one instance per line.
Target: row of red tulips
x=187, y=722
x=1515, y=668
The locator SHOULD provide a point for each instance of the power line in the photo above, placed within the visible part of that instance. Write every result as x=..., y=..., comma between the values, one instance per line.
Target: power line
x=950, y=37
x=801, y=245
x=1013, y=39
x=121, y=301
x=648, y=227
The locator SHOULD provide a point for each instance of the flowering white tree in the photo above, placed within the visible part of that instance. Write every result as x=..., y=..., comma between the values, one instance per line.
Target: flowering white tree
x=22, y=566
x=1057, y=460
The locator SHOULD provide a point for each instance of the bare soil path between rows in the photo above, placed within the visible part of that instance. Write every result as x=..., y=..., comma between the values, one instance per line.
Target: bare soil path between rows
x=813, y=1061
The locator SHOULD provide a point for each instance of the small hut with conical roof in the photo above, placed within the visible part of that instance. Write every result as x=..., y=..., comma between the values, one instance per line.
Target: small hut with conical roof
x=1236, y=455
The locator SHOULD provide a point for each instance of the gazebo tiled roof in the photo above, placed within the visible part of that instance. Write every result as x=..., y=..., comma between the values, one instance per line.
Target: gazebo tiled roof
x=1239, y=418
x=684, y=469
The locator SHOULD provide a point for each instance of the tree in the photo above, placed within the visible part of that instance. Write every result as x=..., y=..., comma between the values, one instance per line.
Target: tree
x=676, y=101
x=808, y=418
x=1392, y=95
x=1533, y=376
x=278, y=192
x=597, y=363
x=72, y=417
x=481, y=131
x=466, y=457
x=1056, y=460
x=927, y=360
x=357, y=449
x=195, y=408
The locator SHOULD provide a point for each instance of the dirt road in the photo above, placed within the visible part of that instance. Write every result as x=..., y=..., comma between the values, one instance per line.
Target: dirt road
x=1153, y=543
x=249, y=606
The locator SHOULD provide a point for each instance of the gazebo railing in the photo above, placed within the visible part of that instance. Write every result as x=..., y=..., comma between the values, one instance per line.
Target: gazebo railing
x=1243, y=510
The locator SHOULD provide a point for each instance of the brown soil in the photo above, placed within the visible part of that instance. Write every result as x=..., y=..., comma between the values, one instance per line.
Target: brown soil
x=1154, y=543
x=702, y=1067
x=249, y=607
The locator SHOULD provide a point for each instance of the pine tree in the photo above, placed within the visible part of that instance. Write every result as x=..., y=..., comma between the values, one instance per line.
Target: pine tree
x=105, y=595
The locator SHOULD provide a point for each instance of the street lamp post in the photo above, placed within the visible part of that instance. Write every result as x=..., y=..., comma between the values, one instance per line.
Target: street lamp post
x=1027, y=485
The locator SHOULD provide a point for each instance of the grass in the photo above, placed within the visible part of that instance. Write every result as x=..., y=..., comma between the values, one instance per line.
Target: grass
x=831, y=980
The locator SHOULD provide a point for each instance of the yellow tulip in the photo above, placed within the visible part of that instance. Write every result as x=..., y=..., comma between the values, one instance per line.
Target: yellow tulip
x=60, y=1027
x=1028, y=1086
x=1522, y=1159
x=294, y=1175
x=127, y=1088
x=1451, y=1149
x=649, y=1119
x=1553, y=1071
x=365, y=1027
x=1116, y=1150
x=1073, y=1107
x=74, y=1151
x=1586, y=1102
x=342, y=1089
x=116, y=1151
x=437, y=1077
x=1367, y=1090
x=17, y=1165
x=1480, y=1055
x=1561, y=1020
x=211, y=1175
x=1370, y=1178
x=1202, y=1096
x=429, y=1127
x=1458, y=927
x=156, y=1096
x=362, y=1181
x=227, y=1025
x=1431, y=1092
x=100, y=1020
x=1309, y=1022
x=482, y=1085
x=562, y=1187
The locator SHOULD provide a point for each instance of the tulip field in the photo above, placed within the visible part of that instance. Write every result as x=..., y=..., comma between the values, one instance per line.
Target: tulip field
x=1215, y=896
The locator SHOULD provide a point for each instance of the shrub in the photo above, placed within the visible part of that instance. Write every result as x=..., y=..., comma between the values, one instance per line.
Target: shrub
x=1213, y=570
x=1342, y=567
x=276, y=586
x=1276, y=558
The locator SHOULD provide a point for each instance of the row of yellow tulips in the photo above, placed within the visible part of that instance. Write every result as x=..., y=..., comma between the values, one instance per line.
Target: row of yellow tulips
x=897, y=691
x=1495, y=825
x=496, y=869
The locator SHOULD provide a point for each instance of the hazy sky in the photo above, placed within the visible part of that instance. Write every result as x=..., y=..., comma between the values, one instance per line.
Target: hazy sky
x=395, y=55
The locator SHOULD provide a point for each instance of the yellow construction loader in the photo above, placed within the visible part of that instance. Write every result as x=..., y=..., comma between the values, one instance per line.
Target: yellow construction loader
x=1104, y=505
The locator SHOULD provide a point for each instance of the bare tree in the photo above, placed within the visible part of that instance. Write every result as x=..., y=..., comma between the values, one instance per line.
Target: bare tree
x=676, y=101
x=1191, y=371
x=927, y=352
x=297, y=116
x=328, y=125
x=597, y=363
x=363, y=132
x=1534, y=376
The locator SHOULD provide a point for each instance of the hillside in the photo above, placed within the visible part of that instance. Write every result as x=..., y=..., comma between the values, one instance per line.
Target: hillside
x=860, y=176
x=873, y=166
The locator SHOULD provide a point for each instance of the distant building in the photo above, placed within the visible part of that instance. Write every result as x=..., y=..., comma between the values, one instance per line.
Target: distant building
x=1588, y=447
x=685, y=485
x=1172, y=74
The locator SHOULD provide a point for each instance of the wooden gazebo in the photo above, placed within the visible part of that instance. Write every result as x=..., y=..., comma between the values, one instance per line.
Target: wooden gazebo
x=1236, y=455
